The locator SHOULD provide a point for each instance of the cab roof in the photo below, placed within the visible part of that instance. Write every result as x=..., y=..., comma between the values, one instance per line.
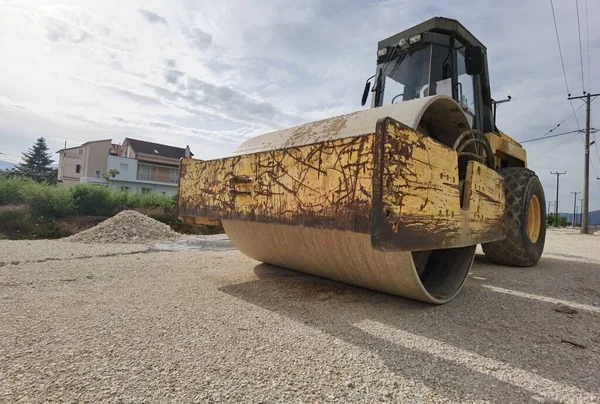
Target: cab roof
x=440, y=25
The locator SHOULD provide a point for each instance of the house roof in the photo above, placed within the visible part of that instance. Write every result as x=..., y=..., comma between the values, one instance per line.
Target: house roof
x=156, y=149
x=83, y=144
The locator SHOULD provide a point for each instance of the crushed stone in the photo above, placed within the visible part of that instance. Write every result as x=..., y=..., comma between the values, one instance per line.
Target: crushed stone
x=127, y=226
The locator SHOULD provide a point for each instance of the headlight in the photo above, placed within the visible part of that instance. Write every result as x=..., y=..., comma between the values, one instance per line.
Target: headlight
x=414, y=39
x=382, y=52
x=403, y=43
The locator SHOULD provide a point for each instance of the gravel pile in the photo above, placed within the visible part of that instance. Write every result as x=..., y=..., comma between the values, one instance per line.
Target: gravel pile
x=127, y=226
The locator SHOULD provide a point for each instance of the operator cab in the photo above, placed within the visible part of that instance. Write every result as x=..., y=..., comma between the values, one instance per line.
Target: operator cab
x=439, y=56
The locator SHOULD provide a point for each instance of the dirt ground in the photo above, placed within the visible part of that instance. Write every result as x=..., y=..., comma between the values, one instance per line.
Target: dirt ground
x=203, y=323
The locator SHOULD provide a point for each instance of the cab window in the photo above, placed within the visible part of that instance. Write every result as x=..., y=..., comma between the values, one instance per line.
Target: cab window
x=466, y=89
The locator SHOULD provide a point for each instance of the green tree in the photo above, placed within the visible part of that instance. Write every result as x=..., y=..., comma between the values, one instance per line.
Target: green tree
x=112, y=173
x=562, y=221
x=36, y=163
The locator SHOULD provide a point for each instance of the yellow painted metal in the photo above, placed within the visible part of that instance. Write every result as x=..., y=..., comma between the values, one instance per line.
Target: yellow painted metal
x=396, y=184
x=323, y=182
x=199, y=220
x=507, y=148
x=421, y=194
x=534, y=219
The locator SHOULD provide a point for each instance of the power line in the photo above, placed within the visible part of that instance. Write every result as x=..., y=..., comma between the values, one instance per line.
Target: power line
x=575, y=110
x=10, y=155
x=580, y=49
x=597, y=153
x=563, y=121
x=562, y=62
x=596, y=144
x=583, y=140
x=552, y=149
x=549, y=137
x=587, y=28
x=586, y=188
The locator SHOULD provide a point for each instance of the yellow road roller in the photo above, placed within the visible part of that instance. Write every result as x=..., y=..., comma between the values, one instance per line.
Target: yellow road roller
x=393, y=198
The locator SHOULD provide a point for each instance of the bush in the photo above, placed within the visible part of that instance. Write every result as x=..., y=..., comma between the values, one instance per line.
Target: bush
x=47, y=200
x=93, y=200
x=38, y=205
x=80, y=199
x=11, y=190
x=122, y=200
x=562, y=221
x=15, y=221
x=152, y=200
x=162, y=215
x=49, y=229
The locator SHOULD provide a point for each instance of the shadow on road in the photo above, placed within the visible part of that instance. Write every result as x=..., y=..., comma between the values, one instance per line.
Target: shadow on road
x=523, y=333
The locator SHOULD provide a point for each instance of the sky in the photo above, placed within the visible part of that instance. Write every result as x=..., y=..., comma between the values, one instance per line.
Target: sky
x=211, y=74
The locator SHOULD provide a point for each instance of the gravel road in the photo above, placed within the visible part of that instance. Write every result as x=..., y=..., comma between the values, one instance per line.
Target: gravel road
x=195, y=323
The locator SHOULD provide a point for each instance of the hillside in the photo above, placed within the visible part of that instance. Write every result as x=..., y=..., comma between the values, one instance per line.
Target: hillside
x=5, y=165
x=594, y=217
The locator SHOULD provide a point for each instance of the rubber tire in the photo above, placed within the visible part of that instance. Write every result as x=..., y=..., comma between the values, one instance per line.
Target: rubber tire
x=520, y=184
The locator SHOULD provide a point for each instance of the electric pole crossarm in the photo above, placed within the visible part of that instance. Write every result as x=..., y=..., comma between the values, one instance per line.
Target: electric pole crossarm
x=586, y=95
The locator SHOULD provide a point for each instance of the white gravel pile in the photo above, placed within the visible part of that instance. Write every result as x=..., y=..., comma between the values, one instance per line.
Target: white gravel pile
x=127, y=226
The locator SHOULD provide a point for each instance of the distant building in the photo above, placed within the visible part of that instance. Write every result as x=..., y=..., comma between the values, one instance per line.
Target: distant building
x=133, y=166
x=84, y=163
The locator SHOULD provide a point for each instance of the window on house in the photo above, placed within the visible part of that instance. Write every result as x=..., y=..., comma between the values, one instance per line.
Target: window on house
x=146, y=190
x=173, y=175
x=78, y=168
x=145, y=173
x=125, y=189
x=80, y=151
x=123, y=167
x=97, y=173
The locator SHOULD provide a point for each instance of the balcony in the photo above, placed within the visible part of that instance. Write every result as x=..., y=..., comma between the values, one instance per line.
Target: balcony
x=154, y=177
x=158, y=174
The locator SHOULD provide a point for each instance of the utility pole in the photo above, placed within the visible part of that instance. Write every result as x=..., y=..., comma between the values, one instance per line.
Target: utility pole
x=574, y=206
x=587, y=97
x=556, y=203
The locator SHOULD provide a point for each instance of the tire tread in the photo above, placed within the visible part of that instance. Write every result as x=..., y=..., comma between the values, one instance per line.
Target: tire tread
x=512, y=250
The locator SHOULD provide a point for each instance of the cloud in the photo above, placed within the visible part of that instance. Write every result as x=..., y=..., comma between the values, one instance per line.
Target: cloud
x=169, y=127
x=138, y=98
x=57, y=30
x=173, y=75
x=152, y=17
x=231, y=69
x=200, y=95
x=198, y=38
x=84, y=119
